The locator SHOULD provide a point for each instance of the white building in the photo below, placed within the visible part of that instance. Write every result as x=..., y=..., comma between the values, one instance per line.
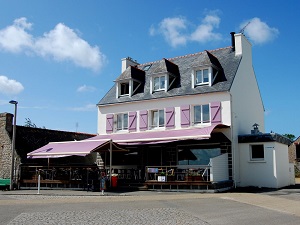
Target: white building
x=191, y=115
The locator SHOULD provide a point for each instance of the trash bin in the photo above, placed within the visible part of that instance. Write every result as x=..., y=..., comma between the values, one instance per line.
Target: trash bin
x=114, y=180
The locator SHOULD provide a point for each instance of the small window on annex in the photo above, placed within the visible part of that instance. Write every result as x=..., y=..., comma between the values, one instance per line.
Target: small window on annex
x=124, y=88
x=158, y=118
x=257, y=152
x=122, y=121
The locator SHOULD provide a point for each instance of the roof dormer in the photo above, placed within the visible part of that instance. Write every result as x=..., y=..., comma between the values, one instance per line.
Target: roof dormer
x=130, y=82
x=207, y=71
x=163, y=76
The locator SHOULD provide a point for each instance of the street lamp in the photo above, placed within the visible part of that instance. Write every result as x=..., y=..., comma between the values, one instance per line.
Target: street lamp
x=13, y=145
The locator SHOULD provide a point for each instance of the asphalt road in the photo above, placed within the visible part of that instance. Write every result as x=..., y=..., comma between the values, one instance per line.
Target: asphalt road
x=149, y=208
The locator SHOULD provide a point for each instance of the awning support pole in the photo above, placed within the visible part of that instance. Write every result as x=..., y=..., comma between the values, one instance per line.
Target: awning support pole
x=110, y=161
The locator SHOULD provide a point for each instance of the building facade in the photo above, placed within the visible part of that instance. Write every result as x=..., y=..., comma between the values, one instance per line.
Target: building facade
x=211, y=90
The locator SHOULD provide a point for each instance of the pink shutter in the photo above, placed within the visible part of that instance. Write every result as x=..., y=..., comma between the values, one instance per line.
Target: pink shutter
x=185, y=115
x=215, y=112
x=144, y=120
x=170, y=117
x=132, y=121
x=109, y=123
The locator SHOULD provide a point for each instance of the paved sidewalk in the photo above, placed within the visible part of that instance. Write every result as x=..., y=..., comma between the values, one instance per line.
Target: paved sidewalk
x=276, y=200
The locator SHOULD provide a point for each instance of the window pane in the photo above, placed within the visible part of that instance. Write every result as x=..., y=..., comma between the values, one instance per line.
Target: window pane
x=205, y=113
x=119, y=122
x=156, y=83
x=125, y=122
x=198, y=76
x=161, y=118
x=155, y=118
x=197, y=114
x=257, y=152
x=205, y=75
x=162, y=82
x=124, y=88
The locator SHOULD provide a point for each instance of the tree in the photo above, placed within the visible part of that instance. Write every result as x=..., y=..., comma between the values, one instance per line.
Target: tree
x=290, y=136
x=28, y=123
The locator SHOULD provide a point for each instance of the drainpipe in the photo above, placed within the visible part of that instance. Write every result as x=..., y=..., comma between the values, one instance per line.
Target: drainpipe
x=232, y=144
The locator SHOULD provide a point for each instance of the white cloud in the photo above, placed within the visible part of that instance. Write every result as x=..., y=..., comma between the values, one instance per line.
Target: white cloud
x=10, y=87
x=172, y=28
x=89, y=107
x=61, y=44
x=175, y=30
x=259, y=32
x=14, y=38
x=205, y=31
x=85, y=88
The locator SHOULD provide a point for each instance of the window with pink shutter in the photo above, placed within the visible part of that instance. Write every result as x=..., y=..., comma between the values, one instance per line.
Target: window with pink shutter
x=109, y=123
x=185, y=115
x=215, y=110
x=170, y=117
x=132, y=121
x=144, y=120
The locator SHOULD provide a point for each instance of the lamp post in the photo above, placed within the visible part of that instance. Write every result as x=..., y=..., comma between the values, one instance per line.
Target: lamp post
x=13, y=145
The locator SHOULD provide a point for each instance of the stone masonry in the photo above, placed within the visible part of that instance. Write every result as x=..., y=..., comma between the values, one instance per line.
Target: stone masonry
x=5, y=144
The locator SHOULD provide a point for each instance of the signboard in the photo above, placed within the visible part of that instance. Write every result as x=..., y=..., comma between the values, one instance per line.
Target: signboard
x=152, y=170
x=161, y=178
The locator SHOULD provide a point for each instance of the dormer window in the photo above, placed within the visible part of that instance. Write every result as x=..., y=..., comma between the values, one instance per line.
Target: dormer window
x=204, y=76
x=159, y=83
x=124, y=89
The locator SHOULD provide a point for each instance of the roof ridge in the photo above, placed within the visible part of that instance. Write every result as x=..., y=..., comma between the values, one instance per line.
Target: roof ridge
x=183, y=56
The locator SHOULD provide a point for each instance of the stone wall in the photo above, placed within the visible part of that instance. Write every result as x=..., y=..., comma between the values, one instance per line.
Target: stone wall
x=5, y=144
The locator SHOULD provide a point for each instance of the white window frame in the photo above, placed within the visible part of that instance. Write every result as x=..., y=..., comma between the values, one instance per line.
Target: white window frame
x=210, y=77
x=201, y=115
x=159, y=88
x=256, y=159
x=156, y=113
x=128, y=86
x=121, y=118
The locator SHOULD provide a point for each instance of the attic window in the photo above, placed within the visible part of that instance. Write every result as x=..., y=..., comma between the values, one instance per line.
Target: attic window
x=124, y=88
x=147, y=67
x=159, y=83
x=202, y=77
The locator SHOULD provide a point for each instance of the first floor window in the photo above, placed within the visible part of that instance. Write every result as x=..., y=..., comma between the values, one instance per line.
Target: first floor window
x=122, y=121
x=158, y=118
x=201, y=114
x=257, y=152
x=159, y=83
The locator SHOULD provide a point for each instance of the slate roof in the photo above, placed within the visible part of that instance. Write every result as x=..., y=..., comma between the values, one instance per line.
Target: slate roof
x=224, y=59
x=266, y=137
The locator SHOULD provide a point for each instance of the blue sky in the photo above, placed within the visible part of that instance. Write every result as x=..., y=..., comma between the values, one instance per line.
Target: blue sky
x=59, y=58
